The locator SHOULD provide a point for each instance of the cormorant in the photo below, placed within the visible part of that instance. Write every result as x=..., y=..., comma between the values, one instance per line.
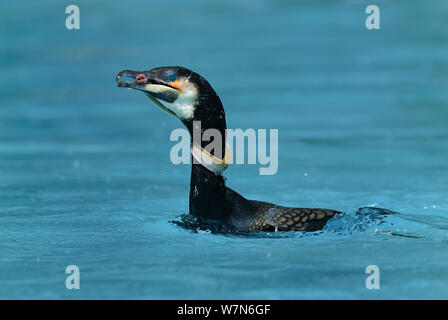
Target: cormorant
x=188, y=96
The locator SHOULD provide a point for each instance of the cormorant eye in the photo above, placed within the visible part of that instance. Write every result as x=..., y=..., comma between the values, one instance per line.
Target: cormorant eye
x=172, y=76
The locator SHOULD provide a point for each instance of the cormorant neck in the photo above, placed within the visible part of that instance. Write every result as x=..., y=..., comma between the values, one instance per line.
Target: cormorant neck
x=208, y=195
x=208, y=198
x=208, y=114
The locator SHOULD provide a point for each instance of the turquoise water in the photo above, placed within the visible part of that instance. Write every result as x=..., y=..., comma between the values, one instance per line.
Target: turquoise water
x=85, y=176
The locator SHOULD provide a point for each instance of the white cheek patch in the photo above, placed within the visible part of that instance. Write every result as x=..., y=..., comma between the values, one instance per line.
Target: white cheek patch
x=183, y=107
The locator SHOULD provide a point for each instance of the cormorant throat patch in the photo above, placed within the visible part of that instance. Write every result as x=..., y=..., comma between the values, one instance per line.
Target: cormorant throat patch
x=209, y=161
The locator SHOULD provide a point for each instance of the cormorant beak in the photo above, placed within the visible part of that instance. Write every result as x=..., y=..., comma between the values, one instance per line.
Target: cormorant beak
x=150, y=84
x=170, y=96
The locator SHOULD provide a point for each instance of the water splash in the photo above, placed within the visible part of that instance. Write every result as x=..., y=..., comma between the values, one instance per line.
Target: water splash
x=364, y=220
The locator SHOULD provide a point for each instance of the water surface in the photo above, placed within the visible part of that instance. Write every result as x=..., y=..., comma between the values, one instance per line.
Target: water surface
x=85, y=176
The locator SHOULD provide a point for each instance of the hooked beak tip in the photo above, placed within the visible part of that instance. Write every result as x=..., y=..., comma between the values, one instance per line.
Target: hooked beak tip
x=138, y=78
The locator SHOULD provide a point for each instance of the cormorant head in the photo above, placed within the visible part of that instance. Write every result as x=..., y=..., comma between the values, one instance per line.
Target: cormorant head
x=179, y=91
